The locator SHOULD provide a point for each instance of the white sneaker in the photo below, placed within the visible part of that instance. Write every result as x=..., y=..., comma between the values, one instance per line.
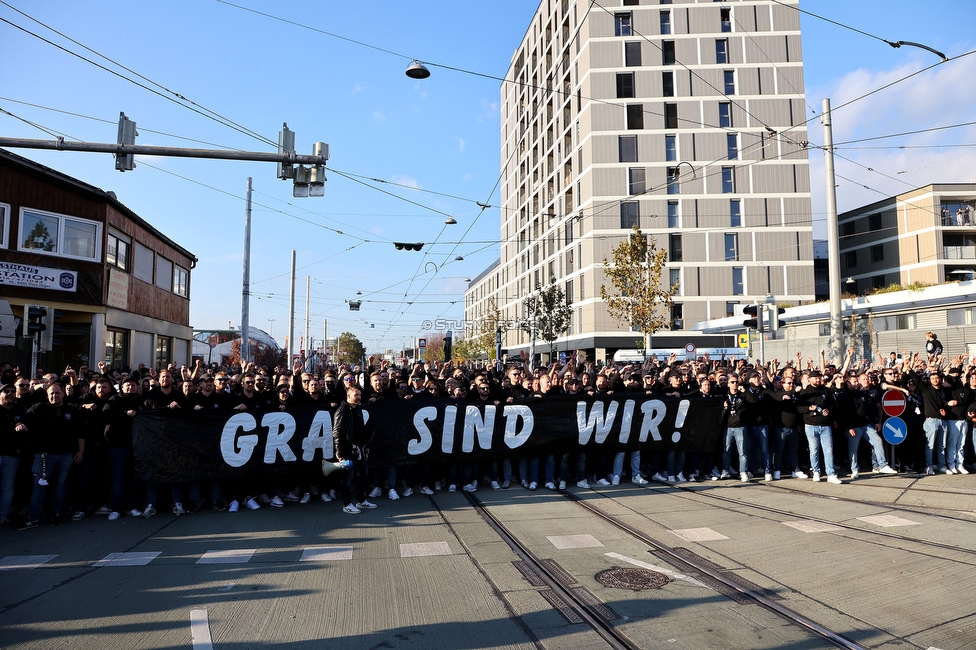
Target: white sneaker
x=744, y=477
x=799, y=473
x=375, y=494
x=716, y=473
x=495, y=485
x=776, y=475
x=854, y=474
x=672, y=479
x=725, y=474
x=525, y=484
x=615, y=479
x=365, y=504
x=950, y=469
x=393, y=495
x=235, y=506
x=639, y=480
x=178, y=509
x=471, y=487
x=426, y=490
x=550, y=485
x=324, y=496
x=768, y=477
x=583, y=484
x=113, y=516
x=682, y=479
x=135, y=512
x=562, y=485
x=832, y=478
x=961, y=469
x=306, y=498
x=452, y=488
x=888, y=469
x=816, y=477
x=252, y=504
x=533, y=485
x=929, y=471
x=407, y=491
x=603, y=481
x=661, y=478
x=276, y=502
x=351, y=509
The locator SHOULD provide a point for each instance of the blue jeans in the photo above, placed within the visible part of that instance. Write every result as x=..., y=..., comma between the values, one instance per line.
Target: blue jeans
x=8, y=475
x=820, y=437
x=675, y=462
x=760, y=436
x=787, y=442
x=529, y=469
x=55, y=469
x=935, y=435
x=737, y=434
x=955, y=442
x=635, y=462
x=877, y=445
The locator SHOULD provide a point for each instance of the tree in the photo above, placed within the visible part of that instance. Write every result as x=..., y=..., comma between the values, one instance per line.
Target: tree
x=435, y=347
x=39, y=238
x=551, y=313
x=639, y=300
x=349, y=349
x=481, y=340
x=262, y=354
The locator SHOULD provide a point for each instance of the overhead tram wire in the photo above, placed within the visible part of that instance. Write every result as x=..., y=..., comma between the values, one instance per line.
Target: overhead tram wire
x=190, y=104
x=902, y=134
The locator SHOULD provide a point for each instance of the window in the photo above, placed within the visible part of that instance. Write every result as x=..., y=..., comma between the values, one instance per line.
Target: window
x=730, y=82
x=677, y=317
x=625, y=85
x=163, y=345
x=670, y=116
x=728, y=180
x=674, y=248
x=570, y=264
x=673, y=216
x=569, y=292
x=735, y=213
x=850, y=259
x=667, y=52
x=721, y=50
x=117, y=252
x=4, y=224
x=730, y=309
x=629, y=215
x=737, y=281
x=731, y=247
x=632, y=54
x=674, y=185
x=732, y=140
x=667, y=83
x=637, y=183
x=628, y=148
x=56, y=234
x=847, y=229
x=726, y=18
x=144, y=263
x=635, y=116
x=878, y=282
x=725, y=115
x=622, y=24
x=670, y=148
x=627, y=3
x=674, y=280
x=874, y=222
x=962, y=316
x=181, y=281
x=665, y=22
x=877, y=253
x=116, y=349
x=164, y=273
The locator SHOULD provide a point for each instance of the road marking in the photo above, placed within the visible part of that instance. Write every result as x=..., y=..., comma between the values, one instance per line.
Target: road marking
x=889, y=521
x=654, y=567
x=229, y=556
x=423, y=549
x=326, y=553
x=574, y=541
x=128, y=559
x=24, y=561
x=698, y=534
x=200, y=630
x=811, y=526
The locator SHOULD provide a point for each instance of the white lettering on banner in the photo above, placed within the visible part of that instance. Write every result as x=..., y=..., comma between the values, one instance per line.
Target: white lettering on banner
x=230, y=443
x=447, y=434
x=417, y=447
x=512, y=413
x=281, y=427
x=319, y=437
x=654, y=411
x=626, y=421
x=595, y=420
x=474, y=424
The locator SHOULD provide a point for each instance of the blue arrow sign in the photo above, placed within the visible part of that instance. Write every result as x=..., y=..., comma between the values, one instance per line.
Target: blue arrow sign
x=894, y=430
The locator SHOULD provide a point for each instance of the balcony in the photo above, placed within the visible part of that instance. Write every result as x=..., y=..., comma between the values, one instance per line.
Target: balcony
x=959, y=252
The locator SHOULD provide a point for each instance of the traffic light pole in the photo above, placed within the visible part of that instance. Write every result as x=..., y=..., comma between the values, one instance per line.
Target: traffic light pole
x=35, y=349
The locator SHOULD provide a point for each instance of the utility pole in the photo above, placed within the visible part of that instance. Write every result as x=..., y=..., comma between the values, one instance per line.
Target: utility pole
x=291, y=313
x=246, y=290
x=833, y=241
x=308, y=332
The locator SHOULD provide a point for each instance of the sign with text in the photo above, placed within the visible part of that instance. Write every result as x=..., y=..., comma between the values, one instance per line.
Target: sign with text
x=118, y=289
x=38, y=277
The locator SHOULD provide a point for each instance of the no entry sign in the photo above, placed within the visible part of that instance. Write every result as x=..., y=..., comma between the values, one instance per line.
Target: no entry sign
x=893, y=403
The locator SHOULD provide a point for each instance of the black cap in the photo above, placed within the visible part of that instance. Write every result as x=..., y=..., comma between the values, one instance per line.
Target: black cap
x=816, y=373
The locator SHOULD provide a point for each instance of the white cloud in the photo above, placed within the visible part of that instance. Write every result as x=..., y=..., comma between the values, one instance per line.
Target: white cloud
x=357, y=88
x=460, y=144
x=467, y=177
x=379, y=116
x=376, y=231
x=409, y=181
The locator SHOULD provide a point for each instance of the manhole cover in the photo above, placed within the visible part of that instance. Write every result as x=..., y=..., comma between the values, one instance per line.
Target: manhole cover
x=633, y=579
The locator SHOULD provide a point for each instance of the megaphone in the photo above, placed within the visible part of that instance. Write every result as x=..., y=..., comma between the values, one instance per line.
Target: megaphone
x=329, y=466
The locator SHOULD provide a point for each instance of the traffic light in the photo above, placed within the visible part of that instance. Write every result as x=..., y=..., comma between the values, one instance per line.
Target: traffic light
x=774, y=314
x=401, y=246
x=755, y=322
x=34, y=321
x=127, y=135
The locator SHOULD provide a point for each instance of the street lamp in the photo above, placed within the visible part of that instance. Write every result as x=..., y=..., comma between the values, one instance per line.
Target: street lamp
x=271, y=327
x=417, y=70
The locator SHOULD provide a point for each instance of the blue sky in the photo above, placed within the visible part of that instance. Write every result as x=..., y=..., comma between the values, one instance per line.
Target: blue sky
x=439, y=135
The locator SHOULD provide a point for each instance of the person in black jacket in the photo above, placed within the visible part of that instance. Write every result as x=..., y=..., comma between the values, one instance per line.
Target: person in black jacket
x=12, y=430
x=786, y=422
x=349, y=438
x=934, y=410
x=735, y=430
x=816, y=404
x=118, y=413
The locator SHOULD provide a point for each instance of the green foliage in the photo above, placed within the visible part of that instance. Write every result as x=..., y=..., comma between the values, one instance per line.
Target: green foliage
x=638, y=299
x=552, y=314
x=891, y=288
x=350, y=349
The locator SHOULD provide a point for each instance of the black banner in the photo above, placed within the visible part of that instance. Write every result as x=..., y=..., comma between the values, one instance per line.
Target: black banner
x=174, y=445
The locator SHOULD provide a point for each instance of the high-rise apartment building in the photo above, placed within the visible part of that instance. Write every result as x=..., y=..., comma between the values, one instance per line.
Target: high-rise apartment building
x=684, y=118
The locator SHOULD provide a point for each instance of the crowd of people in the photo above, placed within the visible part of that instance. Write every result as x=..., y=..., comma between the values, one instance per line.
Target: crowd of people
x=66, y=447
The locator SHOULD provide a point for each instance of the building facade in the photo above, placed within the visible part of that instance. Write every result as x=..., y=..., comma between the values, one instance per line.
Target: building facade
x=116, y=289
x=925, y=236
x=683, y=118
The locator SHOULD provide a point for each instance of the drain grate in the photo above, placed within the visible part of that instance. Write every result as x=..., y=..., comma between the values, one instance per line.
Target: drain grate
x=529, y=574
x=561, y=607
x=633, y=579
x=561, y=575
